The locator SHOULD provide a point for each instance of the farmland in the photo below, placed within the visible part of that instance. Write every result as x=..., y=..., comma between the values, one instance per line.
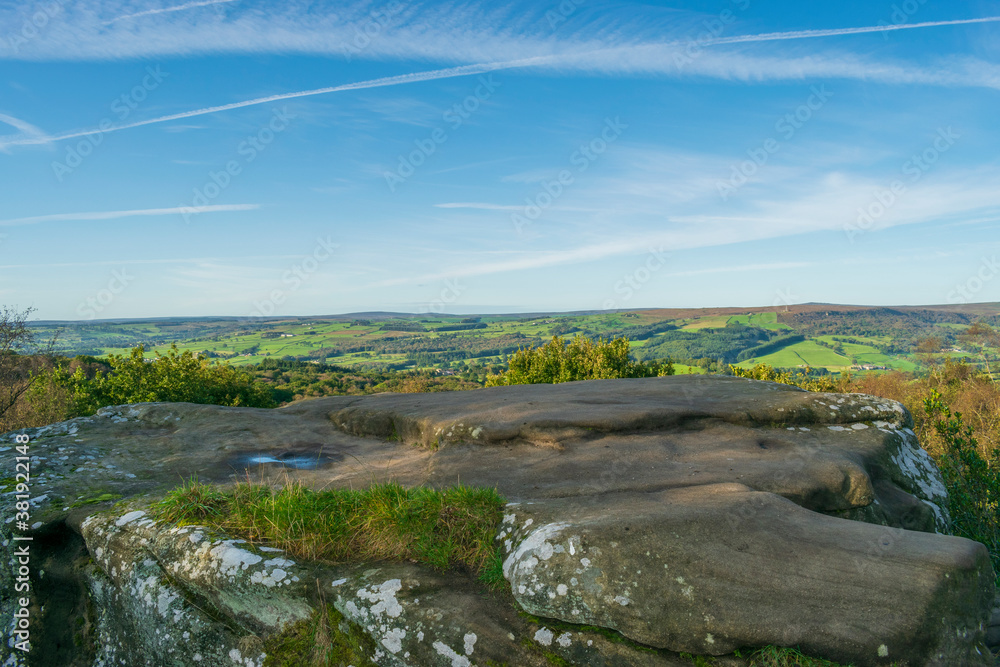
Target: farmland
x=832, y=338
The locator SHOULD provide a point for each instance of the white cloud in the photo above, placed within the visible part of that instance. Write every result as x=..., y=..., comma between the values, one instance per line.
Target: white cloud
x=637, y=44
x=165, y=10
x=111, y=215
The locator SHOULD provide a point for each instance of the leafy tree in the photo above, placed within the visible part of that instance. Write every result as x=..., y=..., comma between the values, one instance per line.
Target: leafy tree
x=980, y=337
x=580, y=359
x=20, y=358
x=804, y=379
x=175, y=376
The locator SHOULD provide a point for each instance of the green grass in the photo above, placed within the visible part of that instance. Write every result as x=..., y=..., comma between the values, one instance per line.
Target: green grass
x=806, y=353
x=326, y=640
x=454, y=527
x=774, y=656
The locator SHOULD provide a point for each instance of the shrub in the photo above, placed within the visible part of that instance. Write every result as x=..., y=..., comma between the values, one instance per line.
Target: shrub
x=973, y=481
x=580, y=359
x=175, y=376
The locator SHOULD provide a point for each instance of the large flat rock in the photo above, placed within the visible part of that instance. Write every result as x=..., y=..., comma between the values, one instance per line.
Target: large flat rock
x=794, y=518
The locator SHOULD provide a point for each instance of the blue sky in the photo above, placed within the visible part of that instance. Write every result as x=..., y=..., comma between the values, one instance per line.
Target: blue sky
x=250, y=158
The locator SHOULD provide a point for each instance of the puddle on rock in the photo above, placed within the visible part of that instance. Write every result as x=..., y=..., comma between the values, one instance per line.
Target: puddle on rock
x=299, y=460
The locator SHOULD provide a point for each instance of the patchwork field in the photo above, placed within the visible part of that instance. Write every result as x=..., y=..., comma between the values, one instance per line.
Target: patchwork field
x=837, y=338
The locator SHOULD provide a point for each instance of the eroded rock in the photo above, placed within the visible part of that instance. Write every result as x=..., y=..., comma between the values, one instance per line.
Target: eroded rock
x=714, y=513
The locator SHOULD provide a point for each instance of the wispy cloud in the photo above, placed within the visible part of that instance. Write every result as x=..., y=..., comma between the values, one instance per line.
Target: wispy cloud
x=836, y=32
x=112, y=215
x=744, y=268
x=27, y=131
x=165, y=10
x=587, y=51
x=479, y=205
x=416, y=77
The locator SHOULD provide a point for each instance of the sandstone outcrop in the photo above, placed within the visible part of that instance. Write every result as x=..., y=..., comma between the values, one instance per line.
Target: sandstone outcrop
x=681, y=514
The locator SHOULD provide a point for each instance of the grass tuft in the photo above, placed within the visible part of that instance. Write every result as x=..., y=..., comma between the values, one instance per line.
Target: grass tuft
x=327, y=640
x=452, y=527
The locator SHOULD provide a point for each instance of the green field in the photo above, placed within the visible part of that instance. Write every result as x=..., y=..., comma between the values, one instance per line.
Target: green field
x=392, y=342
x=806, y=353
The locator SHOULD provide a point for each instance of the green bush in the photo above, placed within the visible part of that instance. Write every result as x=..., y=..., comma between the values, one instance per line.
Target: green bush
x=580, y=359
x=175, y=377
x=973, y=481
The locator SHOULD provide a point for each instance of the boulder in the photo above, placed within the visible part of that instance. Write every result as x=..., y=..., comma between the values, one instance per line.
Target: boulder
x=682, y=514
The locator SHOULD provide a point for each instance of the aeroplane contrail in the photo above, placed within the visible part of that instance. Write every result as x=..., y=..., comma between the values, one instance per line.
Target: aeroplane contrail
x=416, y=77
x=112, y=215
x=164, y=10
x=462, y=70
x=806, y=34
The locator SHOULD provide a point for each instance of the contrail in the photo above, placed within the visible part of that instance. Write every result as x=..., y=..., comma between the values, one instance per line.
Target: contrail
x=449, y=72
x=465, y=70
x=806, y=34
x=111, y=215
x=190, y=5
x=27, y=129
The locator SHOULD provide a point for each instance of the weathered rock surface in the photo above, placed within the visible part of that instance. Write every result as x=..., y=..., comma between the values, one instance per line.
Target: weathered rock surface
x=697, y=514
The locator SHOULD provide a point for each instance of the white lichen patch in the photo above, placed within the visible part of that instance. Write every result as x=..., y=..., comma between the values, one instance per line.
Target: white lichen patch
x=131, y=516
x=383, y=598
x=523, y=560
x=469, y=641
x=393, y=640
x=883, y=651
x=544, y=636
x=446, y=651
x=231, y=560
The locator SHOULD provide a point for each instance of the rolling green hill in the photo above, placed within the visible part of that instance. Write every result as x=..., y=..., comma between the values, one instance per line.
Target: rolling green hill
x=835, y=338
